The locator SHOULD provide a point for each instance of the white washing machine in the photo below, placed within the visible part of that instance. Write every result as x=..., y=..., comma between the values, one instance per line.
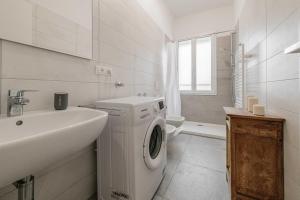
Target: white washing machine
x=132, y=148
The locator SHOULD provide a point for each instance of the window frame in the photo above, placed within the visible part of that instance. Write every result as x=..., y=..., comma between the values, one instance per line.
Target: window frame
x=194, y=90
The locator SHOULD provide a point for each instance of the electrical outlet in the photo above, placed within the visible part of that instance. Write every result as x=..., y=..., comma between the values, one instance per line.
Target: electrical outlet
x=103, y=70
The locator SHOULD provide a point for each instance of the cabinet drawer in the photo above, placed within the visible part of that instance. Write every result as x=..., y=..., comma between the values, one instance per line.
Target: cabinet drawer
x=257, y=128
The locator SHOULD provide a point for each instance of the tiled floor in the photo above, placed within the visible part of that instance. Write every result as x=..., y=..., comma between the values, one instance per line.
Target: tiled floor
x=204, y=129
x=195, y=170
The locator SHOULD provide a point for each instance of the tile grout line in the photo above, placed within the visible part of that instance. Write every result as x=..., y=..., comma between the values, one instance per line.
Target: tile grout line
x=175, y=170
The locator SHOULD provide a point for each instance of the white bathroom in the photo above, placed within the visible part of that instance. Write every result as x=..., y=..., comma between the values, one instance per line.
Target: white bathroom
x=149, y=99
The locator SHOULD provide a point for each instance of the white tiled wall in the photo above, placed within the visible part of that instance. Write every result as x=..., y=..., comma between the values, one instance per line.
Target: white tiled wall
x=56, y=32
x=125, y=39
x=267, y=27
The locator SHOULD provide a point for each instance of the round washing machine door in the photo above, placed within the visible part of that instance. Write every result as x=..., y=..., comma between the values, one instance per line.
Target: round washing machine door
x=154, y=144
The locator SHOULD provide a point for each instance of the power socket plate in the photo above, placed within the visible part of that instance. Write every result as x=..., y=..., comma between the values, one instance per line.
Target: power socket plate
x=103, y=70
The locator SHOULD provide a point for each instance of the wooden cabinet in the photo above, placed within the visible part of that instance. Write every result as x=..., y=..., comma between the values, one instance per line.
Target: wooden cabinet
x=254, y=156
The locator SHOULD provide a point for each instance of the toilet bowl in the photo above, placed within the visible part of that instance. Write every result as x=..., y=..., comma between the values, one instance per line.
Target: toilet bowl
x=171, y=130
x=176, y=121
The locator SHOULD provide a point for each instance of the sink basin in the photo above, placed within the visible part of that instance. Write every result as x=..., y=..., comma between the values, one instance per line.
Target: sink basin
x=31, y=142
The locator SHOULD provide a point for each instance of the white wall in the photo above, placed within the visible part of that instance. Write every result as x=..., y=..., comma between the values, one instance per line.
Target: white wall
x=238, y=6
x=157, y=10
x=78, y=11
x=20, y=23
x=216, y=20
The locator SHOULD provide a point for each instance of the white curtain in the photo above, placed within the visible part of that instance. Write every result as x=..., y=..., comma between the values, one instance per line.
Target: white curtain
x=172, y=86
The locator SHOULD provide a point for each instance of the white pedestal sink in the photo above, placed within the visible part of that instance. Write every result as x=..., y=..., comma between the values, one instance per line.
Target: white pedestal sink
x=35, y=140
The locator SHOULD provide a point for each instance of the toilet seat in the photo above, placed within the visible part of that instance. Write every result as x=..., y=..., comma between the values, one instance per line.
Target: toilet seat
x=175, y=120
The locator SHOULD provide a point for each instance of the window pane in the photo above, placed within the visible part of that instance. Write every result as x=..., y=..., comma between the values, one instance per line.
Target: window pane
x=185, y=65
x=203, y=64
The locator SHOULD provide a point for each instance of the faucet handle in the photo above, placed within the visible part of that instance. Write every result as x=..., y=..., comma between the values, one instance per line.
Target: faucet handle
x=19, y=93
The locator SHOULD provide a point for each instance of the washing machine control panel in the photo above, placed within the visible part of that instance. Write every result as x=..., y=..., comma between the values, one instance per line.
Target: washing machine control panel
x=161, y=105
x=161, y=108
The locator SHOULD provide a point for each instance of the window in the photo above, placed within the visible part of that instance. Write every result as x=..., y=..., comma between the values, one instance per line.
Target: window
x=196, y=66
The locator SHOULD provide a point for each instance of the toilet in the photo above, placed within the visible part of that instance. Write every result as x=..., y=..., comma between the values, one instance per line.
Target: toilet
x=171, y=130
x=173, y=124
x=176, y=121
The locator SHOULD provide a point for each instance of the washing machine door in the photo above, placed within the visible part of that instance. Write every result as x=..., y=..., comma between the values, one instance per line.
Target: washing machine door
x=154, y=144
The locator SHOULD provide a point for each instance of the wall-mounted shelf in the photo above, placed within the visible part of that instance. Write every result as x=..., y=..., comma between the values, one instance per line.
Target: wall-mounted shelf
x=295, y=48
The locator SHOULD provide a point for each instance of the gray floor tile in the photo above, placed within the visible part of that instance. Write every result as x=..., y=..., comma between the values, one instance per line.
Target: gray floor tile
x=200, y=169
x=206, y=152
x=214, y=159
x=177, y=145
x=176, y=149
x=207, y=143
x=165, y=183
x=191, y=182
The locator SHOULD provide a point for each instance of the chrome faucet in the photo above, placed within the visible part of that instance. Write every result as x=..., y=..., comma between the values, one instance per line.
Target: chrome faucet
x=16, y=101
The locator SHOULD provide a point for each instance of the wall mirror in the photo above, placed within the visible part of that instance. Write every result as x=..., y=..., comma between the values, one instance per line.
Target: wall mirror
x=60, y=25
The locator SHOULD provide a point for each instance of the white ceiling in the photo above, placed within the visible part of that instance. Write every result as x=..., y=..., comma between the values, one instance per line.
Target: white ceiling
x=181, y=8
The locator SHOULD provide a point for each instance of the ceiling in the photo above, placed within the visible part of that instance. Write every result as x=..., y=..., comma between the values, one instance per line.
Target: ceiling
x=181, y=8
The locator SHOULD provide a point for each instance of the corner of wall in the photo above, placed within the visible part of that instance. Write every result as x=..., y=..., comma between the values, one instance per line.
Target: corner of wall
x=0, y=70
x=160, y=14
x=238, y=7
